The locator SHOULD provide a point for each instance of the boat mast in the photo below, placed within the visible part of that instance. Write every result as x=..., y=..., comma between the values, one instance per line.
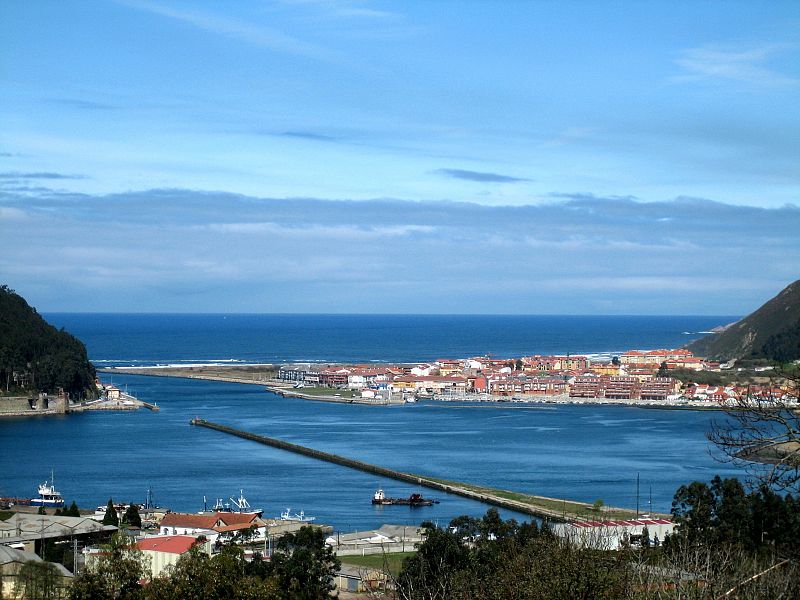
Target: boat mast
x=637, y=495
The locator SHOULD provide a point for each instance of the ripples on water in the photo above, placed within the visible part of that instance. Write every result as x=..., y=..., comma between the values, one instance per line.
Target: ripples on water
x=578, y=452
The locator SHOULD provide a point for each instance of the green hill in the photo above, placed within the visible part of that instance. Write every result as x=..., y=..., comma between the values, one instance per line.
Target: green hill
x=35, y=356
x=772, y=332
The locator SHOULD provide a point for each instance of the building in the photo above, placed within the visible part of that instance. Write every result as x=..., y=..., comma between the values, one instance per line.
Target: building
x=334, y=377
x=12, y=561
x=352, y=578
x=513, y=385
x=654, y=357
x=613, y=535
x=165, y=550
x=210, y=525
x=30, y=530
x=431, y=384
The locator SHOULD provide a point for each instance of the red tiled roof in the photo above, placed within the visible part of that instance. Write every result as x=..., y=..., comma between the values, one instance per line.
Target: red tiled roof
x=206, y=521
x=237, y=526
x=234, y=518
x=174, y=544
x=189, y=520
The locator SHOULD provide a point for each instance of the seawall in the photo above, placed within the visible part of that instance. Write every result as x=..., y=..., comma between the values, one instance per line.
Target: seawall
x=552, y=509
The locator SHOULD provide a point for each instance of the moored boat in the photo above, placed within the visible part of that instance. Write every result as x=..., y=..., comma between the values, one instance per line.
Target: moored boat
x=48, y=495
x=239, y=504
x=380, y=498
x=301, y=516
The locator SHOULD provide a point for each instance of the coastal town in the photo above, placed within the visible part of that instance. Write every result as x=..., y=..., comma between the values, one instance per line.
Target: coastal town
x=635, y=376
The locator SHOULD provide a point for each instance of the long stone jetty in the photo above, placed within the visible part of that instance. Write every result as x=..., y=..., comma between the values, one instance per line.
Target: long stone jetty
x=553, y=509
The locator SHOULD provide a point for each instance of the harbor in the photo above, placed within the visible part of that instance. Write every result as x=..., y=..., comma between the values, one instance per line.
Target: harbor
x=554, y=509
x=557, y=451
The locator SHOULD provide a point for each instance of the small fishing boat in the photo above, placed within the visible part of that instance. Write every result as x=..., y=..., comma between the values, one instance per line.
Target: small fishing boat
x=239, y=504
x=301, y=516
x=380, y=498
x=48, y=495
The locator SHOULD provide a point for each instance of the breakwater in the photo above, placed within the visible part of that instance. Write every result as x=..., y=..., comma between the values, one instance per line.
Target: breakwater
x=553, y=509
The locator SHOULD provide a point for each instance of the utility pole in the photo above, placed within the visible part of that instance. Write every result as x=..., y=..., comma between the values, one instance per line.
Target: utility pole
x=637, y=495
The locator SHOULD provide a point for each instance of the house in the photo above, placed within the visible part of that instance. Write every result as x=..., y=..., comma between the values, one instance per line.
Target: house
x=352, y=578
x=113, y=393
x=209, y=524
x=448, y=367
x=165, y=550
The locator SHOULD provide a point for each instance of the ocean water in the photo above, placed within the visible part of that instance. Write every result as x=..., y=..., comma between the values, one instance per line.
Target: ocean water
x=578, y=452
x=135, y=339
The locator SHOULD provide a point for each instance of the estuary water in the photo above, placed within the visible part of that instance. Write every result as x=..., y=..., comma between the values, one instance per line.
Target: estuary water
x=578, y=452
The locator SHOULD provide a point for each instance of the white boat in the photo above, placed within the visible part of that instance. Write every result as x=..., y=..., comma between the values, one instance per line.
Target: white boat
x=301, y=516
x=238, y=505
x=243, y=505
x=48, y=495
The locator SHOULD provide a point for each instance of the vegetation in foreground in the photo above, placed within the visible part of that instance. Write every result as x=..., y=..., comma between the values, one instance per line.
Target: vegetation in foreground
x=717, y=549
x=729, y=543
x=302, y=568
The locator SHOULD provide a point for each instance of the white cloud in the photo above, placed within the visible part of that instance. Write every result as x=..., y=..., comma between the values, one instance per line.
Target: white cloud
x=264, y=37
x=747, y=66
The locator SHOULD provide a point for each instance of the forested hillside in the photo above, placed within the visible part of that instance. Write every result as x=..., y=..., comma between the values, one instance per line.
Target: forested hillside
x=35, y=356
x=772, y=332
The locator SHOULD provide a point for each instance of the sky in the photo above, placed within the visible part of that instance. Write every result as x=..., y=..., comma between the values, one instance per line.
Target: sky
x=355, y=156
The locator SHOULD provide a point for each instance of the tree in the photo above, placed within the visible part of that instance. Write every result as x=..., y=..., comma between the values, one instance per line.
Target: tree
x=131, y=516
x=597, y=507
x=41, y=511
x=761, y=432
x=111, y=517
x=304, y=565
x=117, y=573
x=693, y=510
x=431, y=573
x=37, y=580
x=73, y=510
x=225, y=575
x=645, y=537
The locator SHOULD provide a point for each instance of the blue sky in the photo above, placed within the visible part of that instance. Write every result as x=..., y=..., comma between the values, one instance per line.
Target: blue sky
x=357, y=156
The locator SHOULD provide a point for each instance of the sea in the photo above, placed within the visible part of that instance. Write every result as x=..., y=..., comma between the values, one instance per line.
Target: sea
x=624, y=456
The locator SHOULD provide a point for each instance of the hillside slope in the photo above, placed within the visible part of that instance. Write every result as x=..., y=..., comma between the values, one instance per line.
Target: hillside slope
x=773, y=332
x=34, y=355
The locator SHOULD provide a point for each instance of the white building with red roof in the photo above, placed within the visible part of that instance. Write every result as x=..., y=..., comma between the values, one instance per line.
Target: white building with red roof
x=165, y=550
x=204, y=524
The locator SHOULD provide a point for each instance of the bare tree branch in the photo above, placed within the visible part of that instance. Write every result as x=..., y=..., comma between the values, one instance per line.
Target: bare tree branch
x=761, y=432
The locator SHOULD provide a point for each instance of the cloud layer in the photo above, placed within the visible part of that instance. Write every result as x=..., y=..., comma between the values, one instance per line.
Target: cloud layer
x=180, y=250
x=479, y=176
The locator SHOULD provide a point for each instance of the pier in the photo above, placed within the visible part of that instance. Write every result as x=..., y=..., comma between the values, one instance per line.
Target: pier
x=552, y=509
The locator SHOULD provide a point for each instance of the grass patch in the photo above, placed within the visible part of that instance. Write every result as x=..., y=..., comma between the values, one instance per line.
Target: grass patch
x=5, y=515
x=568, y=508
x=391, y=561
